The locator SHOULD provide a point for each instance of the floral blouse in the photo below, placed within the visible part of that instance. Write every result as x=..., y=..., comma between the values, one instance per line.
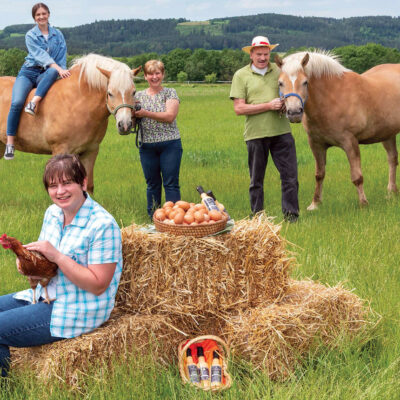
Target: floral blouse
x=154, y=131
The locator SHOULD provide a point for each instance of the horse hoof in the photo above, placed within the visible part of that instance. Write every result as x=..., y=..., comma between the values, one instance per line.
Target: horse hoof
x=313, y=206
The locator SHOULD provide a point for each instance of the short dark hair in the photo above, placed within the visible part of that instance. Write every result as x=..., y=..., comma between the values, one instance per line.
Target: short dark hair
x=37, y=6
x=62, y=166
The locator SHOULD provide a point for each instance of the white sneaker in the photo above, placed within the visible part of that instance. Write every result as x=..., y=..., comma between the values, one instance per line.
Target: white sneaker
x=9, y=153
x=30, y=108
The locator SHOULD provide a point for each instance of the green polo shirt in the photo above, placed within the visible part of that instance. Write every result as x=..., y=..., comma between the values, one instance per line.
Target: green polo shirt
x=255, y=89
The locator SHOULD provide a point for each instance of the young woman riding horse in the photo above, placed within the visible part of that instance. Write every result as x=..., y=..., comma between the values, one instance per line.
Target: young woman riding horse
x=45, y=62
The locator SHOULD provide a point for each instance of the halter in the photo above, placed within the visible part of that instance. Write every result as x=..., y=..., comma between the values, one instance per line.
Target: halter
x=123, y=105
x=292, y=94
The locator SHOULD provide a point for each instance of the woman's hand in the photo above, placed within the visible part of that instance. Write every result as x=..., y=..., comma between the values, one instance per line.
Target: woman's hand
x=141, y=113
x=64, y=73
x=46, y=248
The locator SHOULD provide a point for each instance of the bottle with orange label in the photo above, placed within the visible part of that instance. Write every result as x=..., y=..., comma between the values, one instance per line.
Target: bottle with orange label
x=203, y=368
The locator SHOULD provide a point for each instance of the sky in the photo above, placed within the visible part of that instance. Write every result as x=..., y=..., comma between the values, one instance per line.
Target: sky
x=69, y=13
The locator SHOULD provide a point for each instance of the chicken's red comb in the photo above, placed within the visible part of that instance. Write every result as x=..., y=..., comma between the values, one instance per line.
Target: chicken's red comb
x=3, y=241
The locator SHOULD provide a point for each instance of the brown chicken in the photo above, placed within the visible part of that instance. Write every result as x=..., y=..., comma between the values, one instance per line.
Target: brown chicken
x=32, y=264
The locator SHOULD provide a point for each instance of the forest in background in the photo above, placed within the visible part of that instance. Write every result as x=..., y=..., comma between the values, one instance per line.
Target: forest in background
x=125, y=38
x=210, y=50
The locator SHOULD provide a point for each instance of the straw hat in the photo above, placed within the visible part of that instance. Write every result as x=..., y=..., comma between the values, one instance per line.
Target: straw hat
x=259, y=41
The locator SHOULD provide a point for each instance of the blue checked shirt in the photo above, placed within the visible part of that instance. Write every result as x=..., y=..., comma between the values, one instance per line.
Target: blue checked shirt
x=42, y=52
x=93, y=237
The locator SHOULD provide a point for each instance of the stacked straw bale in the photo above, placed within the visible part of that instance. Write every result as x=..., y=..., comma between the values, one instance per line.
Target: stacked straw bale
x=194, y=276
x=275, y=337
x=235, y=286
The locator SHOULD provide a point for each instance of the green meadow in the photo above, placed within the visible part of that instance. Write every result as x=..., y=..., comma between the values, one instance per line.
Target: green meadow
x=339, y=242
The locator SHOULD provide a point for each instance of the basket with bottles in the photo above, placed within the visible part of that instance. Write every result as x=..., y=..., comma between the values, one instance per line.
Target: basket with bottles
x=203, y=362
x=190, y=219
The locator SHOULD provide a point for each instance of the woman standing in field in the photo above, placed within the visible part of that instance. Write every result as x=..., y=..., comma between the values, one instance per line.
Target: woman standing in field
x=84, y=241
x=45, y=62
x=161, y=149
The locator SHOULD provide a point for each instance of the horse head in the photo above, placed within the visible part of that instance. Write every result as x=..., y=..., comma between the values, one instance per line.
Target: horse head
x=293, y=88
x=120, y=98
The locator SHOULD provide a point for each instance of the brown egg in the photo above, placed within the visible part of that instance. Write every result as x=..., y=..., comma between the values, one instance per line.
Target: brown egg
x=199, y=216
x=178, y=219
x=188, y=218
x=159, y=215
x=215, y=215
x=200, y=206
x=194, y=223
x=172, y=214
x=168, y=204
x=167, y=211
x=206, y=217
x=183, y=204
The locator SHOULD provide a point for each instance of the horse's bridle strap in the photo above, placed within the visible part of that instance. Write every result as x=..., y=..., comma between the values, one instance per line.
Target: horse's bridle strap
x=291, y=94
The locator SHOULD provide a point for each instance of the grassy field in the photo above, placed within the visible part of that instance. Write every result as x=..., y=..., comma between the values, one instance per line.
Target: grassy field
x=337, y=243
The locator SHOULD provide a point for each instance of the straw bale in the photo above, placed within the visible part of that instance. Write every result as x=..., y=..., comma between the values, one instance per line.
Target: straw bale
x=192, y=276
x=273, y=337
x=276, y=337
x=70, y=360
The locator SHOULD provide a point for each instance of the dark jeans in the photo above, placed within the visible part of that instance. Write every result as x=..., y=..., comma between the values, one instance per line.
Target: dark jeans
x=283, y=152
x=161, y=162
x=22, y=324
x=27, y=79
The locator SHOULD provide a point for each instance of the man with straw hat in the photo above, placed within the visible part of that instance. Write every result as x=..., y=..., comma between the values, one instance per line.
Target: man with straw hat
x=255, y=94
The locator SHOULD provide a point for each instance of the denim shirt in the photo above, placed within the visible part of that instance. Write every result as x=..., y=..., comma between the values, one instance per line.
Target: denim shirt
x=42, y=53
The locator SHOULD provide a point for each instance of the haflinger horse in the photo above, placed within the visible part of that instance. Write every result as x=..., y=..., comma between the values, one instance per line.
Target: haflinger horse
x=73, y=116
x=339, y=107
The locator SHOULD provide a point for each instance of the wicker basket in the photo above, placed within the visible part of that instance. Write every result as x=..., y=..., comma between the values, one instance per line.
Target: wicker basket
x=191, y=230
x=223, y=351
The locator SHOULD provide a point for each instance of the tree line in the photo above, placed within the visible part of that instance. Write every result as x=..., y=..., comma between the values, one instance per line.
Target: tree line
x=213, y=65
x=124, y=38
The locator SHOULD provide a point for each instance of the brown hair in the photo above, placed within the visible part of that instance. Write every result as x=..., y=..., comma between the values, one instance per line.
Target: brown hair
x=64, y=166
x=153, y=65
x=37, y=6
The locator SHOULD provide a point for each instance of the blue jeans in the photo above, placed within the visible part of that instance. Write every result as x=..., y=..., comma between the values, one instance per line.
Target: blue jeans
x=161, y=162
x=27, y=79
x=22, y=324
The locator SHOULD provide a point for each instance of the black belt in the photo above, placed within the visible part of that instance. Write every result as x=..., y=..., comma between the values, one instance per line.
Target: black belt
x=39, y=68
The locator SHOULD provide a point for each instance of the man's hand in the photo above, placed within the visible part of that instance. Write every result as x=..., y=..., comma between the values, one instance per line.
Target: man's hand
x=276, y=104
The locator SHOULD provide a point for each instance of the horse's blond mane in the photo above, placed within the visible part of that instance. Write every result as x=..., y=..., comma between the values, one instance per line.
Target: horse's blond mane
x=122, y=76
x=321, y=63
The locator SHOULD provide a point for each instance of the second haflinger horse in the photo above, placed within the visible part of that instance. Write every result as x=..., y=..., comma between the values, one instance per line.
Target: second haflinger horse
x=73, y=117
x=339, y=107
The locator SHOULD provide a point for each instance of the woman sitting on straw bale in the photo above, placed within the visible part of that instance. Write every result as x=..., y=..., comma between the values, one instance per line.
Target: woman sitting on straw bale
x=84, y=240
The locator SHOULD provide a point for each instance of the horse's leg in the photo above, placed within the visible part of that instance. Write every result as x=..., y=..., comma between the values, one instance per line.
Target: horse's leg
x=2, y=148
x=319, y=151
x=88, y=159
x=391, y=150
x=352, y=150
